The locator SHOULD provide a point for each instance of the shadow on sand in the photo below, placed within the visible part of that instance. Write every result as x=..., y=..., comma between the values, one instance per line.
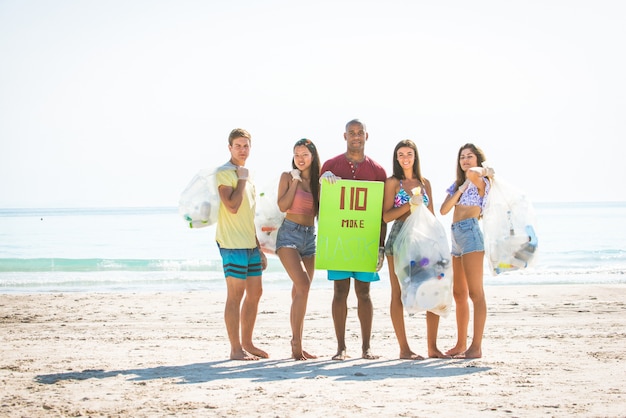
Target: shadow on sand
x=272, y=370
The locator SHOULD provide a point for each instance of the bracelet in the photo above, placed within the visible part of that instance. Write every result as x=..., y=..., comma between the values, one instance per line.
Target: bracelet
x=242, y=178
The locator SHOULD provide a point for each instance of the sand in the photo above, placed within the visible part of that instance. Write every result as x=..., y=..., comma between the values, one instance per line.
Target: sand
x=550, y=351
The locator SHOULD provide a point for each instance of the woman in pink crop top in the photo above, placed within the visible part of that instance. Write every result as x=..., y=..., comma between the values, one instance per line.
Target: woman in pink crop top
x=467, y=196
x=298, y=197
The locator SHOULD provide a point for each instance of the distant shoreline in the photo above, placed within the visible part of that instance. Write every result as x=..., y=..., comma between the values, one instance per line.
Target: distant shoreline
x=167, y=209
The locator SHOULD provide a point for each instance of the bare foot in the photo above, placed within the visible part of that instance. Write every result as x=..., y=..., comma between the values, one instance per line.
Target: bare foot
x=367, y=355
x=309, y=355
x=256, y=351
x=409, y=355
x=456, y=350
x=296, y=350
x=469, y=354
x=436, y=353
x=341, y=355
x=242, y=355
x=298, y=353
x=302, y=355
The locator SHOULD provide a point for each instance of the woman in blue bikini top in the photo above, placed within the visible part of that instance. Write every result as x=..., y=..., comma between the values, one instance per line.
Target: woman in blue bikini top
x=398, y=202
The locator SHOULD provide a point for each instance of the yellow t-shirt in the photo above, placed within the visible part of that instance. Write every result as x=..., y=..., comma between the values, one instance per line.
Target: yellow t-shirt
x=236, y=230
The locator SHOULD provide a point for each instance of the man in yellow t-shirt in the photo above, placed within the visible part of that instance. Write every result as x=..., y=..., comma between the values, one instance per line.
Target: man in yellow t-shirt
x=236, y=239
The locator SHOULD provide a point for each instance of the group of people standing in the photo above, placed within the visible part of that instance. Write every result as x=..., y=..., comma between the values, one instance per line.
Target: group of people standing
x=298, y=198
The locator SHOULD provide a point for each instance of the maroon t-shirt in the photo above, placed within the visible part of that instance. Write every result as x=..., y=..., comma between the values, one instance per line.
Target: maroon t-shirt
x=367, y=169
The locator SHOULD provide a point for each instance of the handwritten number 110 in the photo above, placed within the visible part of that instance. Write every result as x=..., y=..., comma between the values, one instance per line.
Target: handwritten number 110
x=357, y=198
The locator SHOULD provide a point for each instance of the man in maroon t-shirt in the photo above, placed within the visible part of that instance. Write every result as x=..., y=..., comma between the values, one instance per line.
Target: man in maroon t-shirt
x=355, y=165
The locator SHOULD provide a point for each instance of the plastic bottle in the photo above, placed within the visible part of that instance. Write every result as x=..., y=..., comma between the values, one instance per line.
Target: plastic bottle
x=205, y=211
x=511, y=229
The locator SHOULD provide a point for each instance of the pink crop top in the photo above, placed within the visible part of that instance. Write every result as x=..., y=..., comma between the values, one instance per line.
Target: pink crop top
x=302, y=204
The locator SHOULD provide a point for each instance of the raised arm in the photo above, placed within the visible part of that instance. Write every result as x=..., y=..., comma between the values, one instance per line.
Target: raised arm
x=233, y=196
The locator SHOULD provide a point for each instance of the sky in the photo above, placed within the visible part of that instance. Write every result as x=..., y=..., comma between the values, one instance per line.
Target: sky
x=120, y=102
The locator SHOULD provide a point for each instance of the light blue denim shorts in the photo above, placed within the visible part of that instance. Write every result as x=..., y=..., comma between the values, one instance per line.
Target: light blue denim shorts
x=241, y=263
x=466, y=237
x=296, y=236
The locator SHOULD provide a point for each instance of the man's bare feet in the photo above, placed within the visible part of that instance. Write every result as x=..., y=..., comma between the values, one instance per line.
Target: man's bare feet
x=367, y=355
x=341, y=355
x=242, y=355
x=256, y=351
x=409, y=355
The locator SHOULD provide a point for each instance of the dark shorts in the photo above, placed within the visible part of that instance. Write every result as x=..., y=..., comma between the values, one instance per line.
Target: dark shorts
x=296, y=236
x=241, y=263
x=466, y=237
x=395, y=230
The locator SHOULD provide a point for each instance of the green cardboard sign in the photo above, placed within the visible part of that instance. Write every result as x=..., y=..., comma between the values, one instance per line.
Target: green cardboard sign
x=348, y=230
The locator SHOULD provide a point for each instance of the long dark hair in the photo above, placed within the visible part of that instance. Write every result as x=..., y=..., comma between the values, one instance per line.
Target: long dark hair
x=480, y=157
x=315, y=170
x=398, y=172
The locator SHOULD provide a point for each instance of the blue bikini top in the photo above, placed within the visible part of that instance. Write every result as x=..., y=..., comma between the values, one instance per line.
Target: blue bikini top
x=402, y=197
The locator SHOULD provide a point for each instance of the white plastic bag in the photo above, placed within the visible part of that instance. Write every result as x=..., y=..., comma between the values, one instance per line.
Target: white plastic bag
x=423, y=264
x=199, y=202
x=509, y=228
x=268, y=217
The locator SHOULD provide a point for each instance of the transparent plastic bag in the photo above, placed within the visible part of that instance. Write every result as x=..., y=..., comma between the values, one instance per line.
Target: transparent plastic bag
x=268, y=217
x=423, y=264
x=199, y=202
x=509, y=228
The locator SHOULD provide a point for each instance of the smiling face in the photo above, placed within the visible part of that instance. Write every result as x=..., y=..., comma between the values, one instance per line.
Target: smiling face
x=302, y=157
x=355, y=137
x=405, y=157
x=406, y=160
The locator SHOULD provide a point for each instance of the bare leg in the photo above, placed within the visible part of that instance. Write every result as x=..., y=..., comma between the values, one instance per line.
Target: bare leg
x=432, y=329
x=249, y=309
x=396, y=310
x=298, y=270
x=340, y=314
x=365, y=309
x=473, y=267
x=309, y=265
x=461, y=294
x=235, y=290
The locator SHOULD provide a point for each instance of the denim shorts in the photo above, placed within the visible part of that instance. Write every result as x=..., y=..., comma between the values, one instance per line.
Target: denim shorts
x=241, y=263
x=466, y=237
x=296, y=236
x=395, y=230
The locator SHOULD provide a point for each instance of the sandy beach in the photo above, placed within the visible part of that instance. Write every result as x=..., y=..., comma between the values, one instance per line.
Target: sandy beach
x=551, y=350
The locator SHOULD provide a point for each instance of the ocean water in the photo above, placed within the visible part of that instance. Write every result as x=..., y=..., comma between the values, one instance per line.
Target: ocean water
x=152, y=249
